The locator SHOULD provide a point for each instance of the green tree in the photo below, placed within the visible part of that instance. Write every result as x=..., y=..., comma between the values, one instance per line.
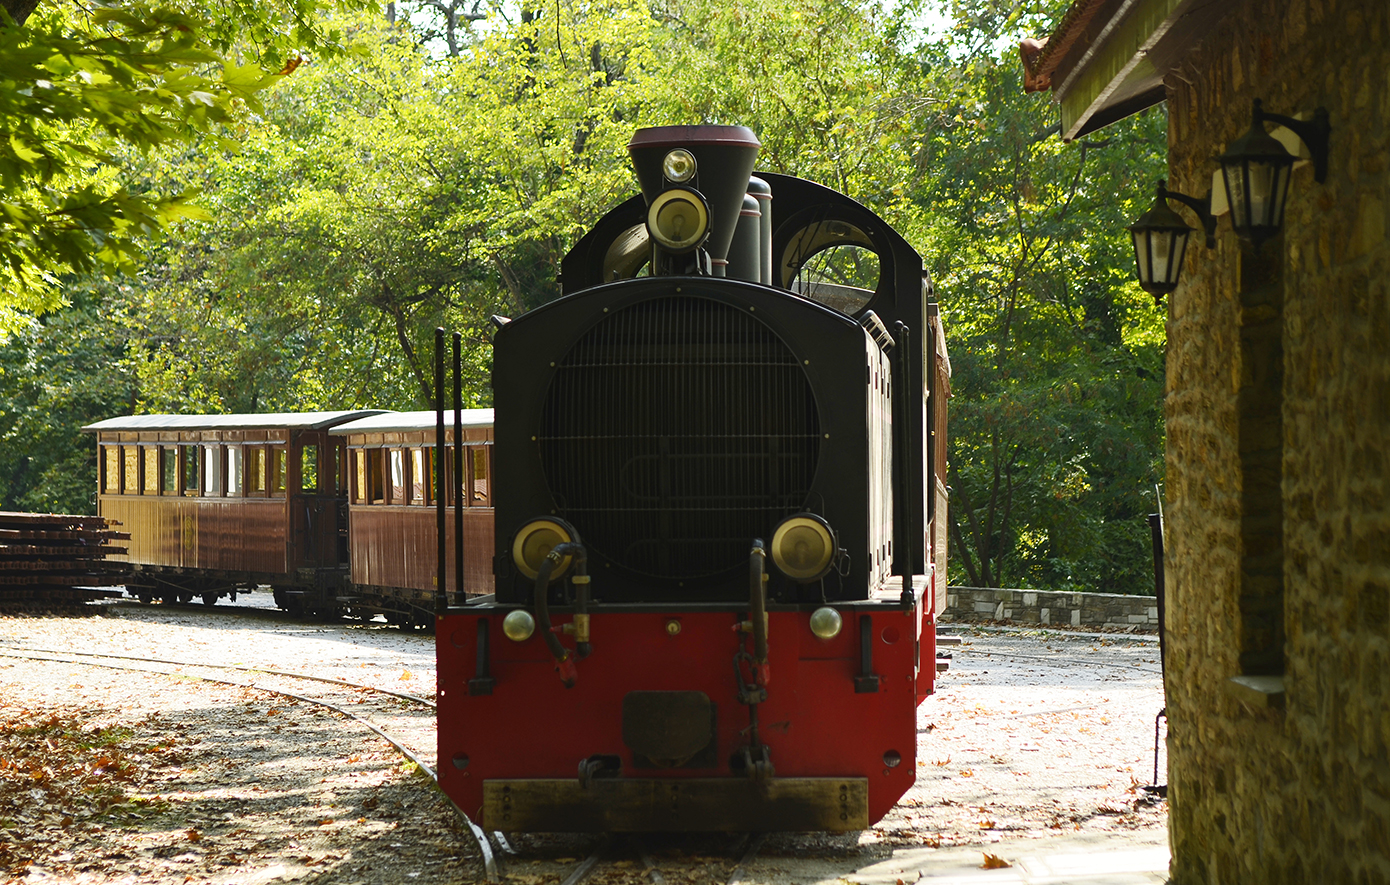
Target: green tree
x=1056, y=424
x=80, y=87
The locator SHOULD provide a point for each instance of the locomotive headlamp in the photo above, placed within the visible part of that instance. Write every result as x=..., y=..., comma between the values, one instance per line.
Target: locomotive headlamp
x=535, y=540
x=679, y=166
x=678, y=219
x=518, y=625
x=826, y=623
x=803, y=547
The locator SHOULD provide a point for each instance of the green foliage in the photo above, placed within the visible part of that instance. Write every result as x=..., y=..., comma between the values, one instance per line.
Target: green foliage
x=415, y=182
x=1056, y=418
x=58, y=373
x=80, y=88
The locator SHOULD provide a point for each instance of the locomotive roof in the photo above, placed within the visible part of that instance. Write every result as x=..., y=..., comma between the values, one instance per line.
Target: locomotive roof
x=404, y=422
x=262, y=421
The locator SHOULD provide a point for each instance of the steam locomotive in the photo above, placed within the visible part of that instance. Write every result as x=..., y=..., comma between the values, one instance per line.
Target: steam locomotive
x=719, y=517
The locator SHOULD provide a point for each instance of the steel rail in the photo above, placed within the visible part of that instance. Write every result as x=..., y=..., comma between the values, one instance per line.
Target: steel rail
x=484, y=847
x=268, y=670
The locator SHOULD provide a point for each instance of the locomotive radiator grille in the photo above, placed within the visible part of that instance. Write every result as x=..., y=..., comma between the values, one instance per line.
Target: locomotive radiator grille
x=674, y=432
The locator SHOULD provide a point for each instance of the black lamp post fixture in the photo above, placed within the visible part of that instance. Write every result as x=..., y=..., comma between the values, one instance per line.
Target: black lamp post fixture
x=1160, y=240
x=1255, y=169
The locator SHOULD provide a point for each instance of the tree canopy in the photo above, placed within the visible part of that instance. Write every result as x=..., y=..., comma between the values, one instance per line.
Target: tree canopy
x=432, y=165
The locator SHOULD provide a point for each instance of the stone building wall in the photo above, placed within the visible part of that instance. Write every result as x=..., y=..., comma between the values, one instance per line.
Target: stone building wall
x=1278, y=468
x=1050, y=607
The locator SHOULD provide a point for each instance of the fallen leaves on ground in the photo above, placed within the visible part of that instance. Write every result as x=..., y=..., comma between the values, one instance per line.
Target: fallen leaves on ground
x=994, y=862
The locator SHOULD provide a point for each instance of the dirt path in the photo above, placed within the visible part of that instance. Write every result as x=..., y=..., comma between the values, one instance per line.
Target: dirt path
x=117, y=777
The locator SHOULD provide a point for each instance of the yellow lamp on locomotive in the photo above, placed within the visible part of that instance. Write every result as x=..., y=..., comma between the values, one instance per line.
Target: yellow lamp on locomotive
x=678, y=220
x=518, y=625
x=679, y=166
x=826, y=622
x=535, y=541
x=803, y=547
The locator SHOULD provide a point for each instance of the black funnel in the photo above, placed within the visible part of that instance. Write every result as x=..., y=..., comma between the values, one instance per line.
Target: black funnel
x=724, y=156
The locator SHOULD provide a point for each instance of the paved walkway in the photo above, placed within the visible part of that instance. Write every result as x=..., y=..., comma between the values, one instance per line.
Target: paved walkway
x=1109, y=859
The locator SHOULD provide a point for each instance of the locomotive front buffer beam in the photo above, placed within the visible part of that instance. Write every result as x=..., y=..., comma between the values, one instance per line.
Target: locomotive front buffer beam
x=623, y=805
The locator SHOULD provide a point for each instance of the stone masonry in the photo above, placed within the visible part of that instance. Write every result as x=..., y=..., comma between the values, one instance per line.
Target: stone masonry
x=1278, y=468
x=1047, y=607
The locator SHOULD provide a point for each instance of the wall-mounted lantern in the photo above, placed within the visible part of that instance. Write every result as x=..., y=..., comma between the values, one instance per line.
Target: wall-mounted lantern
x=1255, y=169
x=1160, y=240
x=1255, y=172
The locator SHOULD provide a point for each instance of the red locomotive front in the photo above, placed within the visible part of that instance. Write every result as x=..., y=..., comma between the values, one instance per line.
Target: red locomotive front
x=716, y=497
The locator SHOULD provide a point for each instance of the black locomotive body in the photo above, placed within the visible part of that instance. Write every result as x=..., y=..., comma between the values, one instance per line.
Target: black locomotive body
x=720, y=445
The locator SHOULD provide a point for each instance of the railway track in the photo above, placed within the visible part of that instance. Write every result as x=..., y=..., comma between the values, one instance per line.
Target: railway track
x=349, y=699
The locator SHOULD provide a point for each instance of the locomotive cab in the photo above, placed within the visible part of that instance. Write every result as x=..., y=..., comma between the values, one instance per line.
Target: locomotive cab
x=716, y=495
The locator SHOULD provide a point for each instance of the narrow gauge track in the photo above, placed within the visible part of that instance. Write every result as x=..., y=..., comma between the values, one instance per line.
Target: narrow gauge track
x=338, y=705
x=493, y=847
x=626, y=851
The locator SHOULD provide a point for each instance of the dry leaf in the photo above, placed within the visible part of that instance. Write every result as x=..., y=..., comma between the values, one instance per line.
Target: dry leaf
x=994, y=862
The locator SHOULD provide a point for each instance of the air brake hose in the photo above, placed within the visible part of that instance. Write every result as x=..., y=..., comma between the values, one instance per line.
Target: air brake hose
x=564, y=662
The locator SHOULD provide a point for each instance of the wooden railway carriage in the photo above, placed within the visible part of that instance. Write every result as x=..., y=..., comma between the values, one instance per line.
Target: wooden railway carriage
x=391, y=527
x=719, y=517
x=218, y=503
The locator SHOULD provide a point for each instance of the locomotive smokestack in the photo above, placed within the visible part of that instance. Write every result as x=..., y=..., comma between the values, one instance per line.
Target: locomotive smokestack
x=723, y=161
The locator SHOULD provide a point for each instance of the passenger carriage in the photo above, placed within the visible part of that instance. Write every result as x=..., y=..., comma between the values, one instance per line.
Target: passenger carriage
x=217, y=504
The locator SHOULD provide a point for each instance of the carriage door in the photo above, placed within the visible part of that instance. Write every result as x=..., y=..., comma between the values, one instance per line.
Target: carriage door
x=313, y=501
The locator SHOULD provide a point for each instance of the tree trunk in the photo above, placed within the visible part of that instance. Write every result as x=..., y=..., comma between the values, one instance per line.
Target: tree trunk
x=20, y=10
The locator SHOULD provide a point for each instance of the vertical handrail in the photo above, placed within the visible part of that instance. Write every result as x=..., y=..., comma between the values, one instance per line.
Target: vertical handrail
x=441, y=598
x=459, y=499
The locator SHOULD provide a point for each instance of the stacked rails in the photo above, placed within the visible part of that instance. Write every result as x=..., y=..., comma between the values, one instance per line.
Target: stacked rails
x=54, y=559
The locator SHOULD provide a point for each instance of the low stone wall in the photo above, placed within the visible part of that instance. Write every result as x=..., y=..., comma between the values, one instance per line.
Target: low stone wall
x=1050, y=607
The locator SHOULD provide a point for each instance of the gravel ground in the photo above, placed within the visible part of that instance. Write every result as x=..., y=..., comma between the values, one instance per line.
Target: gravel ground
x=1031, y=735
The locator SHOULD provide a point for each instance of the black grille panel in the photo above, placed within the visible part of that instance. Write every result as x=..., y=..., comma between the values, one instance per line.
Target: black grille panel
x=675, y=432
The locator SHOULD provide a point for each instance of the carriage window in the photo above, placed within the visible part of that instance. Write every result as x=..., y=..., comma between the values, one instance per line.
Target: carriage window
x=130, y=478
x=418, y=482
x=481, y=496
x=111, y=474
x=235, y=456
x=255, y=469
x=149, y=456
x=309, y=468
x=212, y=470
x=190, y=469
x=376, y=493
x=359, y=486
x=399, y=493
x=277, y=470
x=169, y=470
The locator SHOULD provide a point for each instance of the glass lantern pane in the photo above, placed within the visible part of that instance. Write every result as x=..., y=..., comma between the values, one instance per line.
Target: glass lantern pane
x=1234, y=176
x=1141, y=256
x=1263, y=177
